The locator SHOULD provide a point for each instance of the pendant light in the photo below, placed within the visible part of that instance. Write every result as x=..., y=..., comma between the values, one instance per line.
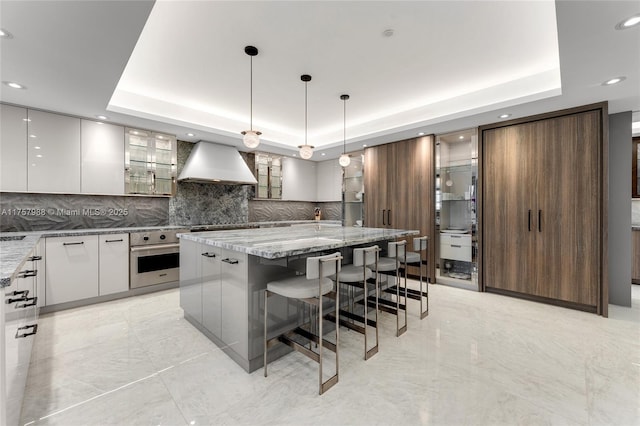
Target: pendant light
x=306, y=150
x=344, y=158
x=251, y=138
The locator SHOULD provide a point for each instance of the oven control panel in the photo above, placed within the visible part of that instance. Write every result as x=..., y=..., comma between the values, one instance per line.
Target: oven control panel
x=154, y=237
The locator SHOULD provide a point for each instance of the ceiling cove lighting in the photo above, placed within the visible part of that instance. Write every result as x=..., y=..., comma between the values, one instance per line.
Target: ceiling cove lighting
x=306, y=150
x=629, y=22
x=13, y=85
x=614, y=80
x=344, y=158
x=251, y=138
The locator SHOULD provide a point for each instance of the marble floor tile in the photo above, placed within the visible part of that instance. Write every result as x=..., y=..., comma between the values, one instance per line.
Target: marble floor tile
x=477, y=359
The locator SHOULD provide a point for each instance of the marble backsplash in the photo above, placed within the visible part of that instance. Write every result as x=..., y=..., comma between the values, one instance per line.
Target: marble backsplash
x=21, y=212
x=267, y=210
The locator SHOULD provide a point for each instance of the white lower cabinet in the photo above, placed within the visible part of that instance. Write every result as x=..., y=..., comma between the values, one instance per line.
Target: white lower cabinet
x=113, y=263
x=86, y=266
x=19, y=325
x=455, y=247
x=72, y=268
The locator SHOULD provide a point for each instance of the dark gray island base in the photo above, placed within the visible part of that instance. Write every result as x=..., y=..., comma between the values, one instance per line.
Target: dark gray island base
x=223, y=275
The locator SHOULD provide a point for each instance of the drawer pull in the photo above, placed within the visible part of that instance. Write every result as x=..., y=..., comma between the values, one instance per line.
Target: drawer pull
x=457, y=246
x=34, y=258
x=73, y=244
x=231, y=261
x=32, y=327
x=28, y=273
x=32, y=302
x=209, y=254
x=23, y=296
x=114, y=241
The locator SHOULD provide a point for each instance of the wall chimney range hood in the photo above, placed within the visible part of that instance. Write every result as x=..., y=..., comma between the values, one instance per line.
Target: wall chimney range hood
x=213, y=163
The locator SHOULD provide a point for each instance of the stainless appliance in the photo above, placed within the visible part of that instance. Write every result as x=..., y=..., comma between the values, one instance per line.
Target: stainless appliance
x=154, y=257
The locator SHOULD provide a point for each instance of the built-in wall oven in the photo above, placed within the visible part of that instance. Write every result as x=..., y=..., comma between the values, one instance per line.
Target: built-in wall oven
x=154, y=257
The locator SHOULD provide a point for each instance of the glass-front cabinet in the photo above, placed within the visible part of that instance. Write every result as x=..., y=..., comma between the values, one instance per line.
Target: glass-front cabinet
x=150, y=163
x=353, y=190
x=456, y=185
x=269, y=173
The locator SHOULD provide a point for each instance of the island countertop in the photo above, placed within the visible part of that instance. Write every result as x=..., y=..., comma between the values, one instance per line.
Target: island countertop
x=273, y=243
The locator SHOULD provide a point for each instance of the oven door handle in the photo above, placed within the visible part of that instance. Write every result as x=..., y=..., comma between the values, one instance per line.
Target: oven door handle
x=155, y=246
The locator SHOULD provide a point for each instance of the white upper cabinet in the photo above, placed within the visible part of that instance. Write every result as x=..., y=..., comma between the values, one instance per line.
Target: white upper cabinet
x=299, y=180
x=102, y=147
x=13, y=148
x=53, y=153
x=329, y=181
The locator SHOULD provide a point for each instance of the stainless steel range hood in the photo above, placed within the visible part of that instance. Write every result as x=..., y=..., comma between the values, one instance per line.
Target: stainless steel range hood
x=213, y=163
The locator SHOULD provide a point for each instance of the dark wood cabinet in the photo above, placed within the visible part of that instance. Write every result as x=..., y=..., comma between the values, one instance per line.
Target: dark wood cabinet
x=399, y=190
x=543, y=200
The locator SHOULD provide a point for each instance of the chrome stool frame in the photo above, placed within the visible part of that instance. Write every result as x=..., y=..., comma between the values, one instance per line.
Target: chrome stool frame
x=359, y=276
x=303, y=289
x=390, y=266
x=420, y=244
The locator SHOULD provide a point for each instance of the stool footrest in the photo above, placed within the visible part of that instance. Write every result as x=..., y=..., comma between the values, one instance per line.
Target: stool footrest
x=313, y=338
x=392, y=273
x=388, y=305
x=411, y=293
x=355, y=317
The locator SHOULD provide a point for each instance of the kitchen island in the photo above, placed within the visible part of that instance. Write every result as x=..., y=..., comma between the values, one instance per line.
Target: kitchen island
x=223, y=275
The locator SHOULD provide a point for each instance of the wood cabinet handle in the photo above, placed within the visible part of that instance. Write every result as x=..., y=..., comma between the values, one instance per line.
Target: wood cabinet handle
x=383, y=211
x=389, y=217
x=539, y=220
x=529, y=220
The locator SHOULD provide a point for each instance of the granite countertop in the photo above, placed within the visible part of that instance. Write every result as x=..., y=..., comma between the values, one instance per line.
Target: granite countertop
x=273, y=243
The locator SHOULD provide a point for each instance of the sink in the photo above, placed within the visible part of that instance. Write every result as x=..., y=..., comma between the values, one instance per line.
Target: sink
x=13, y=238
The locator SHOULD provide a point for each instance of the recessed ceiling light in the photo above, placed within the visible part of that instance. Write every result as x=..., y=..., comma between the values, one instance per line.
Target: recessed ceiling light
x=504, y=116
x=26, y=119
x=14, y=85
x=614, y=80
x=629, y=22
x=5, y=34
x=160, y=137
x=102, y=117
x=420, y=133
x=461, y=137
x=39, y=156
x=191, y=134
x=388, y=32
x=32, y=136
x=36, y=147
x=323, y=153
x=364, y=145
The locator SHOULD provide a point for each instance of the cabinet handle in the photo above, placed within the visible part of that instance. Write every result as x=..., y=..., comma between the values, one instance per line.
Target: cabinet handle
x=209, y=254
x=114, y=241
x=34, y=258
x=389, y=217
x=28, y=273
x=73, y=244
x=456, y=246
x=33, y=327
x=529, y=220
x=23, y=296
x=384, y=210
x=539, y=220
x=231, y=261
x=32, y=302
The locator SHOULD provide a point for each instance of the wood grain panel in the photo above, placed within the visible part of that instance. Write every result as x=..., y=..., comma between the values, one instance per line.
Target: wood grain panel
x=635, y=256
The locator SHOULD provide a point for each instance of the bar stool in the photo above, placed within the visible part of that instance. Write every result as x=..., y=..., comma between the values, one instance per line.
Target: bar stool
x=309, y=289
x=390, y=266
x=414, y=258
x=358, y=276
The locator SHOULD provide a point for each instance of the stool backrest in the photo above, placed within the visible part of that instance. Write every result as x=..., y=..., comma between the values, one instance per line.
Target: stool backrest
x=420, y=243
x=397, y=249
x=365, y=255
x=328, y=267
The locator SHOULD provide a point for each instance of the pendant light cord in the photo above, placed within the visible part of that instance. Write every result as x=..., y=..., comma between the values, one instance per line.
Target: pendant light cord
x=305, y=113
x=251, y=94
x=344, y=133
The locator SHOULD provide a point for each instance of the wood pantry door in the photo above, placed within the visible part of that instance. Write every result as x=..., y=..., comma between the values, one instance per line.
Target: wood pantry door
x=379, y=185
x=508, y=222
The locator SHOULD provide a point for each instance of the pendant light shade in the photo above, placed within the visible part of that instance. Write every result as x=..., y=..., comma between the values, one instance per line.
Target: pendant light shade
x=251, y=138
x=344, y=158
x=306, y=150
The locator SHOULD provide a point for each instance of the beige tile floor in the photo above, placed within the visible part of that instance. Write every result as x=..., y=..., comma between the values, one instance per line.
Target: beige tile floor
x=477, y=359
